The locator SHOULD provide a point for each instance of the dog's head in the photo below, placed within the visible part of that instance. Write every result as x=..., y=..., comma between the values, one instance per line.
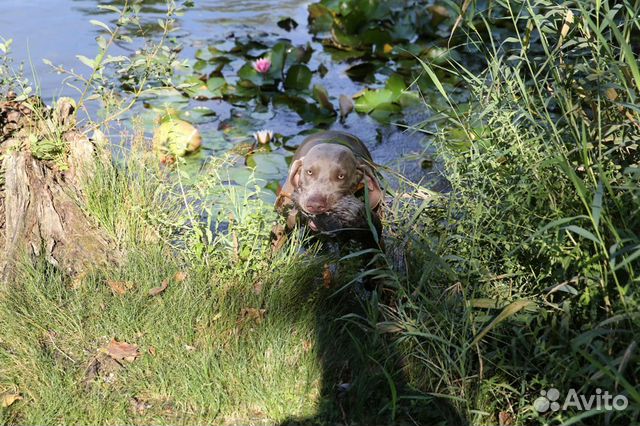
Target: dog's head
x=327, y=173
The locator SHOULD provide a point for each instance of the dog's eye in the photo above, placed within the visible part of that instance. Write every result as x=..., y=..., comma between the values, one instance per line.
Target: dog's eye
x=341, y=176
x=309, y=172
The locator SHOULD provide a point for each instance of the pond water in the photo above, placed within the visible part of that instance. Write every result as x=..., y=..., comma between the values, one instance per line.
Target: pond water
x=59, y=30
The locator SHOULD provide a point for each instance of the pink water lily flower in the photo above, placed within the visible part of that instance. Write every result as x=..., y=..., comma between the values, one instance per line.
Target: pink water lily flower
x=262, y=65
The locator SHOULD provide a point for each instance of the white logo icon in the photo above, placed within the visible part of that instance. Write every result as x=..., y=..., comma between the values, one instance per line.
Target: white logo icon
x=547, y=400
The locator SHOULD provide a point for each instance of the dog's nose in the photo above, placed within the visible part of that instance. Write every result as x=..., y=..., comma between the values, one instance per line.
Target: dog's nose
x=316, y=205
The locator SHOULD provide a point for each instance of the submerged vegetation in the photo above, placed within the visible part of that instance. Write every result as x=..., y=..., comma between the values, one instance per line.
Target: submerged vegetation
x=521, y=278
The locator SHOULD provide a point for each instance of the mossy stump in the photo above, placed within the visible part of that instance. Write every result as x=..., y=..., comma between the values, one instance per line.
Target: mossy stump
x=41, y=195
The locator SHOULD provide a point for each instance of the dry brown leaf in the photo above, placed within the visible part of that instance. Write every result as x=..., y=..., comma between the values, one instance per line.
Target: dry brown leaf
x=152, y=351
x=77, y=281
x=122, y=351
x=505, y=418
x=139, y=405
x=253, y=314
x=119, y=287
x=180, y=276
x=568, y=21
x=327, y=277
x=7, y=399
x=157, y=290
x=346, y=106
x=236, y=246
x=611, y=94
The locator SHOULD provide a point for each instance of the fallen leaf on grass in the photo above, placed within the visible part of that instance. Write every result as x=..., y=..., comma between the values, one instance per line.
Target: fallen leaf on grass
x=327, y=277
x=77, y=281
x=119, y=287
x=152, y=351
x=180, y=276
x=122, y=351
x=7, y=399
x=157, y=290
x=253, y=314
x=139, y=406
x=505, y=418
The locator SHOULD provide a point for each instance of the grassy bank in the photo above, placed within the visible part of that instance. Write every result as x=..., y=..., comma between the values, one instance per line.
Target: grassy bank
x=521, y=279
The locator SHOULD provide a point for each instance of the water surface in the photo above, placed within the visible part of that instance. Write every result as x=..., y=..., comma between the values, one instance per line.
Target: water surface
x=59, y=30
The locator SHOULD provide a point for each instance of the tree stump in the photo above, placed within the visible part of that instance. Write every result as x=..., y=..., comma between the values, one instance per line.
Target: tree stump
x=41, y=211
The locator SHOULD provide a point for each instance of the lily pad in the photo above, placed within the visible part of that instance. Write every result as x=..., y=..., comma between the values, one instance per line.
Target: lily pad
x=338, y=55
x=309, y=112
x=363, y=72
x=249, y=77
x=298, y=77
x=384, y=111
x=376, y=36
x=320, y=17
x=268, y=165
x=198, y=89
x=371, y=99
x=176, y=137
x=287, y=24
x=198, y=115
x=396, y=85
x=320, y=94
x=278, y=56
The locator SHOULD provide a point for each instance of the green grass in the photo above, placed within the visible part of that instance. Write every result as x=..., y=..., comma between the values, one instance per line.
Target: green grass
x=247, y=338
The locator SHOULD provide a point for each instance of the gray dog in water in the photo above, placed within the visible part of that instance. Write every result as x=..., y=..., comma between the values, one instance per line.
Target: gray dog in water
x=325, y=190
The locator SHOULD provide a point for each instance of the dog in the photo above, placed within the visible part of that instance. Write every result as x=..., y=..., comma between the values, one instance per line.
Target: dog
x=332, y=188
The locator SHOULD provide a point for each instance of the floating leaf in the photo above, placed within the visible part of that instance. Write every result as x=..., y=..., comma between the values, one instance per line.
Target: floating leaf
x=376, y=36
x=249, y=77
x=176, y=137
x=322, y=70
x=198, y=115
x=298, y=77
x=320, y=94
x=320, y=17
x=310, y=113
x=278, y=56
x=384, y=111
x=197, y=89
x=396, y=85
x=371, y=99
x=346, y=106
x=363, y=72
x=287, y=24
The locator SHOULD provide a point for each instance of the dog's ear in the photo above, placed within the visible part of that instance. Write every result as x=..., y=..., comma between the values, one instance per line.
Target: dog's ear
x=289, y=187
x=293, y=180
x=371, y=181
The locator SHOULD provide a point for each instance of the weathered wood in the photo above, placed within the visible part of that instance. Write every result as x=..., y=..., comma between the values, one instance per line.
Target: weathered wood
x=41, y=210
